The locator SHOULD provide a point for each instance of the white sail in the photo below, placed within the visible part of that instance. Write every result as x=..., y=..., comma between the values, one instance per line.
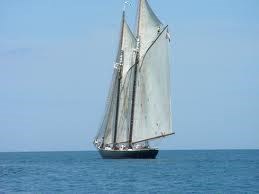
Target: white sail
x=122, y=75
x=128, y=45
x=149, y=26
x=109, y=121
x=125, y=105
x=139, y=103
x=152, y=117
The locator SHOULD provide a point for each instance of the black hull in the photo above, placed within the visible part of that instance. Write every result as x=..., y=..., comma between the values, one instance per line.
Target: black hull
x=129, y=154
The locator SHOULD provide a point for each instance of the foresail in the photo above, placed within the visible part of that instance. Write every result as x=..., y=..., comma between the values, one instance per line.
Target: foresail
x=122, y=75
x=125, y=109
x=124, y=118
x=152, y=116
x=107, y=128
x=149, y=26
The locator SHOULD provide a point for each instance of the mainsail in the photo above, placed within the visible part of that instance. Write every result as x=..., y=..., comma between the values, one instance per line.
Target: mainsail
x=139, y=101
x=152, y=116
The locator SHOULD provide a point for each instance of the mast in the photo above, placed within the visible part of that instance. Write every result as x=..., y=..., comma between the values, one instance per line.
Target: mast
x=119, y=71
x=133, y=101
x=135, y=78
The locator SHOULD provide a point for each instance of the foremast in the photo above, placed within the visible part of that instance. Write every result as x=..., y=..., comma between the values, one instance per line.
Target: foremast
x=119, y=68
x=115, y=126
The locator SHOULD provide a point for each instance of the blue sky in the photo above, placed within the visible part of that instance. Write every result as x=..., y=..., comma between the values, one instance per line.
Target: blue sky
x=56, y=60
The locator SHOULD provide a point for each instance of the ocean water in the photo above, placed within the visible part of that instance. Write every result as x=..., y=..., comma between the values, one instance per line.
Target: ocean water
x=228, y=171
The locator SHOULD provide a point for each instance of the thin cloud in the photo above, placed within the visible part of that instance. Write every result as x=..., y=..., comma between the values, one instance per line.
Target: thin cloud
x=16, y=52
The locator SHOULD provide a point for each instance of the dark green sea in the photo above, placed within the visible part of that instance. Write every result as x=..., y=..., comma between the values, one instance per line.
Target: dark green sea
x=223, y=171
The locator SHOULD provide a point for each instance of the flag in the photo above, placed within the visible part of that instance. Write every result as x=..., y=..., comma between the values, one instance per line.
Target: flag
x=127, y=2
x=168, y=36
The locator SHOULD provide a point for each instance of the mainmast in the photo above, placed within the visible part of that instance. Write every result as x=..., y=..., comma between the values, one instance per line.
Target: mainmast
x=135, y=77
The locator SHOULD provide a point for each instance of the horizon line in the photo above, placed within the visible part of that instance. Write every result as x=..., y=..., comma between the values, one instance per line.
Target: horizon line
x=221, y=149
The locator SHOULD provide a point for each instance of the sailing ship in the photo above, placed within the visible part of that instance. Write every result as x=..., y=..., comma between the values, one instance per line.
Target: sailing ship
x=138, y=108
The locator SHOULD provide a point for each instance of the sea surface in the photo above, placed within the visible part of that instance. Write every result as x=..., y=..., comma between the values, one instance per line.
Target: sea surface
x=225, y=171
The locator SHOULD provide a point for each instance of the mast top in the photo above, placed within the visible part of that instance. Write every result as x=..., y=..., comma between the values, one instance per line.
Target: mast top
x=125, y=5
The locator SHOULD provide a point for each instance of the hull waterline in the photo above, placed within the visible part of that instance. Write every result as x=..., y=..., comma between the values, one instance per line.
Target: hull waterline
x=129, y=154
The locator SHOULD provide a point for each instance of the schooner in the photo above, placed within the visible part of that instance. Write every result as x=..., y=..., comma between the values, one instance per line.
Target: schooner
x=138, y=108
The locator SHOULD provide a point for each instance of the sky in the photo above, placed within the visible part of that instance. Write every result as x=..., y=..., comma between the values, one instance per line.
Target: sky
x=56, y=63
